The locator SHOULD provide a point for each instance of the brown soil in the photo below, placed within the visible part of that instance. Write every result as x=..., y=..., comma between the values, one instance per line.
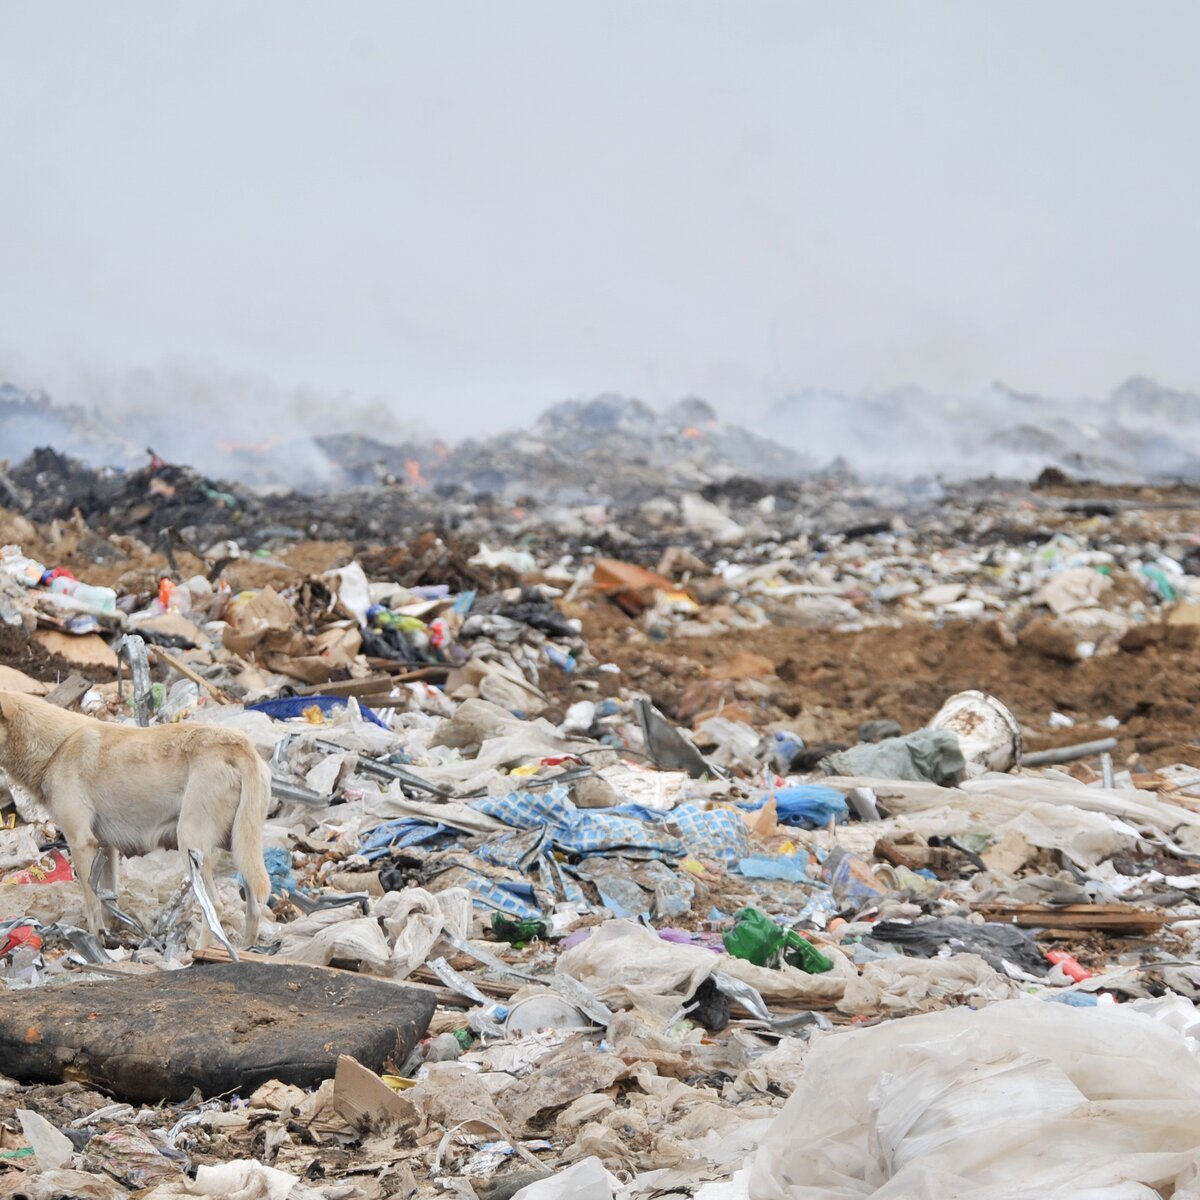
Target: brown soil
x=20, y=651
x=828, y=683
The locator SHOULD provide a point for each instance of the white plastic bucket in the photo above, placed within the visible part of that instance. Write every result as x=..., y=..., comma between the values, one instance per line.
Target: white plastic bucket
x=988, y=734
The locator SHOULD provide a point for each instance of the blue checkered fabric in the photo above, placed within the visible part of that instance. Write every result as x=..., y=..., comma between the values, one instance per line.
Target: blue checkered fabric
x=576, y=831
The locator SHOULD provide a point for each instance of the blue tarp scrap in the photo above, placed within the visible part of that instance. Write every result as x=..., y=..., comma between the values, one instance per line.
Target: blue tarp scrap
x=507, y=897
x=527, y=851
x=718, y=834
x=515, y=850
x=400, y=834
x=808, y=806
x=278, y=862
x=557, y=880
x=289, y=707
x=630, y=888
x=588, y=831
x=487, y=893
x=790, y=868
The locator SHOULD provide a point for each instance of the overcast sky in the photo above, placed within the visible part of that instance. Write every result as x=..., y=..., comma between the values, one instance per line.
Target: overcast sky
x=470, y=210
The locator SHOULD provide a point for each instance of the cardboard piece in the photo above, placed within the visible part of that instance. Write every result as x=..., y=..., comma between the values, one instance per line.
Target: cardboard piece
x=631, y=587
x=366, y=1101
x=89, y=650
x=496, y=683
x=174, y=624
x=263, y=626
x=1184, y=613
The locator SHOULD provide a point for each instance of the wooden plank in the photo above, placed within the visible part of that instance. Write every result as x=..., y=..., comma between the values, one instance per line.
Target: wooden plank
x=176, y=665
x=347, y=687
x=1113, y=918
x=403, y=673
x=69, y=691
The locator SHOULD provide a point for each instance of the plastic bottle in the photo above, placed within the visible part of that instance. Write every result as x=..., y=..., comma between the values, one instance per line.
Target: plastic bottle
x=100, y=598
x=560, y=658
x=1069, y=966
x=172, y=597
x=754, y=937
x=783, y=747
x=851, y=879
x=443, y=1048
x=757, y=939
x=800, y=952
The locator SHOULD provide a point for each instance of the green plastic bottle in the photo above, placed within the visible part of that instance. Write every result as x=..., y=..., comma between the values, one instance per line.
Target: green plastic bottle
x=517, y=932
x=757, y=939
x=802, y=953
x=754, y=937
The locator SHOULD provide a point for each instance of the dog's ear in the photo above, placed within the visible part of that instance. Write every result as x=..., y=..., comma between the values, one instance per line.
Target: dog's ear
x=8, y=706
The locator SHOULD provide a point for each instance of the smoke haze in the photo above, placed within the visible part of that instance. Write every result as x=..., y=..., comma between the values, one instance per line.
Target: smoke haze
x=389, y=216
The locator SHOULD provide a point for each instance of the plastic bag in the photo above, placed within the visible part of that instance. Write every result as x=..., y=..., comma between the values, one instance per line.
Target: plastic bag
x=358, y=941
x=629, y=966
x=928, y=754
x=586, y=1180
x=1019, y=1100
x=416, y=919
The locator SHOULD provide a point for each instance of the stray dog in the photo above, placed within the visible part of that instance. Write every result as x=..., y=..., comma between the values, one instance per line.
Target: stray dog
x=130, y=790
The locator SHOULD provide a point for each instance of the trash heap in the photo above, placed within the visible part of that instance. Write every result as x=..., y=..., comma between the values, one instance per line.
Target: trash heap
x=576, y=892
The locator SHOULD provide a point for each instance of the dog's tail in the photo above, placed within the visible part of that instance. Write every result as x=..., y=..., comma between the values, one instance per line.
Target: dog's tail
x=248, y=821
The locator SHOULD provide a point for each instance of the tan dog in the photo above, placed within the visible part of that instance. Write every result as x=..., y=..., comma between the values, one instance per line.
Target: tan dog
x=132, y=790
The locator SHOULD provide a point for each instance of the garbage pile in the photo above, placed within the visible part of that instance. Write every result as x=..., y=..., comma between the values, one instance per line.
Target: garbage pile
x=612, y=447
x=576, y=891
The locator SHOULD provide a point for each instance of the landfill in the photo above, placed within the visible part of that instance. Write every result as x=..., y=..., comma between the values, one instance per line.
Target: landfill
x=730, y=833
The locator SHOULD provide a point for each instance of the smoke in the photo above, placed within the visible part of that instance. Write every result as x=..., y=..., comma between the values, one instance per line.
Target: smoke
x=247, y=427
x=230, y=424
x=1141, y=430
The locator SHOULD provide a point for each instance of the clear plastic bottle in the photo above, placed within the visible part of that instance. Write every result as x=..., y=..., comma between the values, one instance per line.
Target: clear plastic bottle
x=101, y=599
x=443, y=1048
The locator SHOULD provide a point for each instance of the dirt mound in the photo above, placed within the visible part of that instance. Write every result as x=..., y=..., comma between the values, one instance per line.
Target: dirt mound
x=830, y=683
x=19, y=650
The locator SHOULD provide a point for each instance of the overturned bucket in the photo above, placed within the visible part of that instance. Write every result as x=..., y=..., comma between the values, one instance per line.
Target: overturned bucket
x=988, y=734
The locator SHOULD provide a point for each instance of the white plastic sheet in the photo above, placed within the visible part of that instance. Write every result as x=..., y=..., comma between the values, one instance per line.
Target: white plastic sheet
x=329, y=936
x=1019, y=1100
x=416, y=919
x=629, y=966
x=586, y=1180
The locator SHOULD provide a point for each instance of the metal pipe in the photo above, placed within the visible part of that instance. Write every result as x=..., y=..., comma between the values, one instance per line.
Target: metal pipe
x=1065, y=754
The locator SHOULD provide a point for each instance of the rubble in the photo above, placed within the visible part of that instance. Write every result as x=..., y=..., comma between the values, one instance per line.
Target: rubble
x=603, y=842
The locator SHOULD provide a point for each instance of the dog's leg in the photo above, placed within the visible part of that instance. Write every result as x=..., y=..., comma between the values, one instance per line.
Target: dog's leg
x=109, y=878
x=251, y=934
x=83, y=847
x=61, y=794
x=194, y=832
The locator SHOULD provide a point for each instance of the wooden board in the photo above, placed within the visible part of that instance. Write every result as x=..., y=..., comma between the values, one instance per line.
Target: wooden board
x=1111, y=918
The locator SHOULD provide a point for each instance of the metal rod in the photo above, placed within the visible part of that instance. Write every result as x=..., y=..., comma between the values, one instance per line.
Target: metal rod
x=1065, y=754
